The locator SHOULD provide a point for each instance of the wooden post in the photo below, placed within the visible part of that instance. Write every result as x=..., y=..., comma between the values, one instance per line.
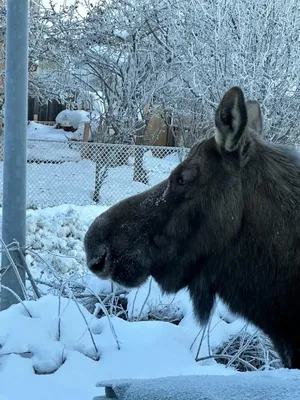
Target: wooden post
x=86, y=132
x=86, y=147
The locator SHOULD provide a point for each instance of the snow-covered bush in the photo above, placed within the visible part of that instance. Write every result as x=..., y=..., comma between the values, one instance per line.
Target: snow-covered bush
x=59, y=242
x=248, y=352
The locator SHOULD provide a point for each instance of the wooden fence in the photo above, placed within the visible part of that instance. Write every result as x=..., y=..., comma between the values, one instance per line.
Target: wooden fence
x=43, y=113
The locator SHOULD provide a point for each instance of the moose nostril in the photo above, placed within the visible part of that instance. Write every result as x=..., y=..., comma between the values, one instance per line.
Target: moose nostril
x=98, y=265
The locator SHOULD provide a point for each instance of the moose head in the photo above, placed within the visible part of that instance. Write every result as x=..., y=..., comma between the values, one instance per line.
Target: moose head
x=225, y=222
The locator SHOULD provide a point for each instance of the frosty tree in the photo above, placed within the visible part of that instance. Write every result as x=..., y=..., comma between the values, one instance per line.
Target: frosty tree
x=254, y=44
x=108, y=52
x=174, y=56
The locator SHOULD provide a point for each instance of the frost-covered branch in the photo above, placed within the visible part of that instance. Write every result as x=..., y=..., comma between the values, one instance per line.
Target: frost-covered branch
x=171, y=56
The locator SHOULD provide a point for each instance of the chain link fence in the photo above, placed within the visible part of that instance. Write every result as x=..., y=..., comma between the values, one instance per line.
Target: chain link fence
x=68, y=172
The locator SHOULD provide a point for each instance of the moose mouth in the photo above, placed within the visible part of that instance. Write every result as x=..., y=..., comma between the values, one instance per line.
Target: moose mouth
x=100, y=266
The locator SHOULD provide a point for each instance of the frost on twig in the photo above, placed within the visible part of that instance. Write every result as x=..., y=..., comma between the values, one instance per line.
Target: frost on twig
x=97, y=355
x=244, y=351
x=13, y=265
x=248, y=352
x=17, y=297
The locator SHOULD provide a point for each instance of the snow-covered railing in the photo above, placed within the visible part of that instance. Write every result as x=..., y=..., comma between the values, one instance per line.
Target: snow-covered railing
x=255, y=386
x=67, y=172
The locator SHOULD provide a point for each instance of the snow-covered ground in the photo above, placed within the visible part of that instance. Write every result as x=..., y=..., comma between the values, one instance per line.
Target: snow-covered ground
x=57, y=348
x=47, y=351
x=46, y=132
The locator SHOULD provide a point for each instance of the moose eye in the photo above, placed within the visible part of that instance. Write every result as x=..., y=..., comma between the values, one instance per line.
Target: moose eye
x=180, y=181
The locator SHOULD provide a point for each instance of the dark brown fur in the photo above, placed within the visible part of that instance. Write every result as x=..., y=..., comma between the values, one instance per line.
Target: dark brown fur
x=226, y=223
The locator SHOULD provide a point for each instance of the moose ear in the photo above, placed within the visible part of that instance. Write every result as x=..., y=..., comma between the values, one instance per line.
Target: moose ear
x=254, y=114
x=231, y=119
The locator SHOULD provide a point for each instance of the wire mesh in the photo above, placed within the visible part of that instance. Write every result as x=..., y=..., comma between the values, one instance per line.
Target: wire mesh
x=80, y=173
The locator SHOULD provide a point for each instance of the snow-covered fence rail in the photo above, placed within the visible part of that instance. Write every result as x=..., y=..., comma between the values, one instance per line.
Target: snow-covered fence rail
x=68, y=172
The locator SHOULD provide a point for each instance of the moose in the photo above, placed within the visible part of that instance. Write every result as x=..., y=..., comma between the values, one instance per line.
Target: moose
x=225, y=223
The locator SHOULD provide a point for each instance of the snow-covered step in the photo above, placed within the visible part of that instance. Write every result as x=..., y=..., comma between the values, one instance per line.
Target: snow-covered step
x=273, y=385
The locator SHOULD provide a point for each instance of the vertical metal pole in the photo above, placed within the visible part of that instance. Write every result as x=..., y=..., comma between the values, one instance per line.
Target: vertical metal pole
x=15, y=143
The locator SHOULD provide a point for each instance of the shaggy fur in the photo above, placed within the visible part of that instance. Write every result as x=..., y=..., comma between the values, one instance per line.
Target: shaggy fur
x=226, y=223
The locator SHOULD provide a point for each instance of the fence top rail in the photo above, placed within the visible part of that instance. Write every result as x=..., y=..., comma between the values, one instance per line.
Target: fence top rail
x=100, y=144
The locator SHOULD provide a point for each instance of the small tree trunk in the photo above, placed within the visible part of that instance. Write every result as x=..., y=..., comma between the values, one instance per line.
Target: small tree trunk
x=99, y=179
x=139, y=173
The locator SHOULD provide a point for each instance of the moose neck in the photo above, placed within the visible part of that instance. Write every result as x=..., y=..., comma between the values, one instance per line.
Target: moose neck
x=271, y=190
x=260, y=256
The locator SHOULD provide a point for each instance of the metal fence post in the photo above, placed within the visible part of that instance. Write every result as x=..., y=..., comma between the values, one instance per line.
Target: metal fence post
x=15, y=143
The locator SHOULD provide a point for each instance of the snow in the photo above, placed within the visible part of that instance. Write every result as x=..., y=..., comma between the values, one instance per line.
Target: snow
x=38, y=150
x=66, y=118
x=51, y=349
x=72, y=118
x=46, y=132
x=123, y=34
x=77, y=119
